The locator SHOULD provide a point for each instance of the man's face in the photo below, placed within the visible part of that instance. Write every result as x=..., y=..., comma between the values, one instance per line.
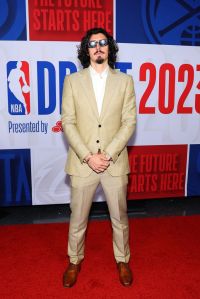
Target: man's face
x=98, y=54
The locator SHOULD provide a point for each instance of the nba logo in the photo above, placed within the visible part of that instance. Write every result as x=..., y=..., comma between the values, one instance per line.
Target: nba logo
x=18, y=84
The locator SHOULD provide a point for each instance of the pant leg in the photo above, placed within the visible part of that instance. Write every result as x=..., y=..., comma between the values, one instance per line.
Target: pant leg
x=82, y=192
x=115, y=189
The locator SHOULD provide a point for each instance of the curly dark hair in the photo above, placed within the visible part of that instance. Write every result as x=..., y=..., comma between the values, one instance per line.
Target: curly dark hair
x=83, y=55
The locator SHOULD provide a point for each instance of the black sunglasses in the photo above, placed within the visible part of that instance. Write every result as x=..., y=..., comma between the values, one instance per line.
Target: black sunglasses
x=101, y=42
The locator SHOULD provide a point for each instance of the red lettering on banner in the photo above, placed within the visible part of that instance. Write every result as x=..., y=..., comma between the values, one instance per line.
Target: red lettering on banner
x=133, y=185
x=157, y=171
x=143, y=183
x=52, y=24
x=43, y=3
x=158, y=162
x=171, y=181
x=44, y=13
x=185, y=69
x=96, y=18
x=140, y=183
x=167, y=88
x=67, y=3
x=166, y=103
x=67, y=19
x=147, y=67
x=133, y=160
x=76, y=24
x=197, y=96
x=36, y=20
x=59, y=20
x=154, y=183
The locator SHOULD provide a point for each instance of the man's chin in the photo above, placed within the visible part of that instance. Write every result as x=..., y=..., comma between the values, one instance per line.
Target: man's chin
x=99, y=60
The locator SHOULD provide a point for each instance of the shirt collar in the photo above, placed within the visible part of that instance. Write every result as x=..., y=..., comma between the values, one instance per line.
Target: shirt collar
x=93, y=72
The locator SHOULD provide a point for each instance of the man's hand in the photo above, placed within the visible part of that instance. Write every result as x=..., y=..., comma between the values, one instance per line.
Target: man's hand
x=98, y=162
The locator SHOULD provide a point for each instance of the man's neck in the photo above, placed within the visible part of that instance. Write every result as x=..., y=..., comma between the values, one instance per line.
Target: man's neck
x=99, y=68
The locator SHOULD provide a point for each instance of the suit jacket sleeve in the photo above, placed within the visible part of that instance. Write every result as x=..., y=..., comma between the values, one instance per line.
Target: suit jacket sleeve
x=128, y=123
x=68, y=117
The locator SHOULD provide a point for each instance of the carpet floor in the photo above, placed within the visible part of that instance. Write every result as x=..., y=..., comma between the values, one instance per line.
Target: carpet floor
x=165, y=259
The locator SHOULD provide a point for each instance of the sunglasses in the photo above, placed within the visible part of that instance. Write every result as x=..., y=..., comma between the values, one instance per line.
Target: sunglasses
x=101, y=42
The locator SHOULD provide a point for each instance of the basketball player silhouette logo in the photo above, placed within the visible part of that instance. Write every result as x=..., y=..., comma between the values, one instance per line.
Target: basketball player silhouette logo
x=172, y=22
x=18, y=87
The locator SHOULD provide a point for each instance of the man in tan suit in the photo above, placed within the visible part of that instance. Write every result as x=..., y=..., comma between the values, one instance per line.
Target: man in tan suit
x=98, y=118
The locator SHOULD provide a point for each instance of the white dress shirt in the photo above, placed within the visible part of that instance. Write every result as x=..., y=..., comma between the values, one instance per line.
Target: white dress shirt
x=99, y=84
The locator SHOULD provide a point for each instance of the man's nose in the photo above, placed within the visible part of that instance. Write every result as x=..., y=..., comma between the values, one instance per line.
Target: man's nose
x=97, y=46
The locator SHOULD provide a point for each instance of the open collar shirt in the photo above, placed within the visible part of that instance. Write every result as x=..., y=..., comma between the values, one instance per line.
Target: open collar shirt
x=99, y=84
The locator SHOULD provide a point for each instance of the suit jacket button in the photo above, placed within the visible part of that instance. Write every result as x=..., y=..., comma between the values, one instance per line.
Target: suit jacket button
x=99, y=126
x=97, y=141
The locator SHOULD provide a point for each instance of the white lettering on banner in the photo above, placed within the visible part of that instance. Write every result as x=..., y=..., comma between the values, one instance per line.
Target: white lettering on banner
x=16, y=108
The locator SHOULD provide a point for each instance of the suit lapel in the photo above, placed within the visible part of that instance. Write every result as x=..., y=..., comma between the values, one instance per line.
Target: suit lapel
x=111, y=85
x=86, y=82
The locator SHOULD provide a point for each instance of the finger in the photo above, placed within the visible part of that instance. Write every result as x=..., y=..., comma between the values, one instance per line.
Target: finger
x=105, y=165
x=100, y=168
x=104, y=158
x=98, y=171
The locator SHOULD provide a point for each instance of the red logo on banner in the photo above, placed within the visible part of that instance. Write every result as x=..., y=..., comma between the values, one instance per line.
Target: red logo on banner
x=157, y=171
x=68, y=20
x=58, y=127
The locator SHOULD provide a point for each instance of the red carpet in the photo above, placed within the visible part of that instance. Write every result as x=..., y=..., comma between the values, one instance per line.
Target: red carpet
x=165, y=261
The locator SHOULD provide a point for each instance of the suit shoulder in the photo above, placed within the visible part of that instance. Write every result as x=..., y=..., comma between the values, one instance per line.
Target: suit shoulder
x=76, y=75
x=122, y=75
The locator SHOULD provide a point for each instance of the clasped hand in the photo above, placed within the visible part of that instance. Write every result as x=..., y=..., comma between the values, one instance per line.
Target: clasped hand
x=98, y=162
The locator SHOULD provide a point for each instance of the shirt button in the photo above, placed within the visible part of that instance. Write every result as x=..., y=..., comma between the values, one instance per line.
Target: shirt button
x=97, y=141
x=99, y=126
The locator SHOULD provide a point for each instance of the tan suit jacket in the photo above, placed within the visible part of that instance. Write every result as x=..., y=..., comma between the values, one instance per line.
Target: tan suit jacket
x=87, y=131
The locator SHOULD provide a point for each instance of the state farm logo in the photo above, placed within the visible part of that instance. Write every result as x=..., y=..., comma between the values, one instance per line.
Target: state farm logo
x=58, y=127
x=18, y=87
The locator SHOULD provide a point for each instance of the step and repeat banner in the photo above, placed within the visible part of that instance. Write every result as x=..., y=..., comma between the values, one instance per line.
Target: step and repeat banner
x=38, y=47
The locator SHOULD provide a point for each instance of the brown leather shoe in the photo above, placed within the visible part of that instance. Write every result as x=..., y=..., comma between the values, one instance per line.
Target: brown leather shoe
x=70, y=275
x=125, y=274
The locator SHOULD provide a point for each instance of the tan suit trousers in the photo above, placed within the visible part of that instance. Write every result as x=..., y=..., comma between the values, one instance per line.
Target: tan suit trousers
x=82, y=192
